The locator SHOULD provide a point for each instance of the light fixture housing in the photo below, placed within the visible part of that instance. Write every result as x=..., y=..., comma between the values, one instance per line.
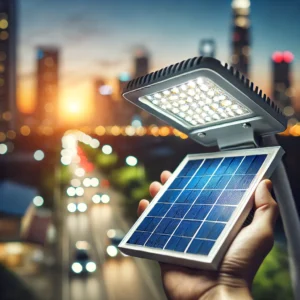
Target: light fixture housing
x=210, y=102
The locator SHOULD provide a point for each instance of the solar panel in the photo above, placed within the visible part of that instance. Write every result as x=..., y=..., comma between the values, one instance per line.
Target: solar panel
x=197, y=213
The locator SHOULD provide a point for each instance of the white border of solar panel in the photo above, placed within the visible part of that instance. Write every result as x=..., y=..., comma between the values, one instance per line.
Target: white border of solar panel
x=212, y=260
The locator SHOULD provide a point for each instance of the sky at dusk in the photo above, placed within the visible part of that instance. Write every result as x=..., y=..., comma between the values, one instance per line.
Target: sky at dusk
x=97, y=37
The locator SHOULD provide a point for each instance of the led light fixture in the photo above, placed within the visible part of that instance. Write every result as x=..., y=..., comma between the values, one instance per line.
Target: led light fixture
x=198, y=212
x=208, y=101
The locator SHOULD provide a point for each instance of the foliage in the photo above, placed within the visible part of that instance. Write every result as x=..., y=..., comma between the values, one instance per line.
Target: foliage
x=106, y=161
x=272, y=280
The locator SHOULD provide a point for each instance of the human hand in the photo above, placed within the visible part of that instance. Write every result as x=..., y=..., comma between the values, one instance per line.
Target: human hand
x=234, y=278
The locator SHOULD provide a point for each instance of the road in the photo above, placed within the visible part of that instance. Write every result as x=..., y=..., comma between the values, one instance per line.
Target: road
x=124, y=278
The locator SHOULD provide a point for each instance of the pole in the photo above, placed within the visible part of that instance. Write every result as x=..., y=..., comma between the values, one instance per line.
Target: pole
x=290, y=219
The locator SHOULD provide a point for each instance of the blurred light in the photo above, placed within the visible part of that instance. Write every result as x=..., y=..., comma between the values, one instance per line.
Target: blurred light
x=94, y=182
x=77, y=159
x=131, y=161
x=288, y=111
x=105, y=90
x=100, y=130
x=13, y=248
x=288, y=56
x=79, y=172
x=129, y=130
x=73, y=107
x=107, y=149
x=79, y=191
x=124, y=76
x=164, y=131
x=105, y=198
x=66, y=160
x=2, y=136
x=141, y=131
x=69, y=141
x=91, y=267
x=75, y=182
x=11, y=134
x=82, y=207
x=87, y=182
x=77, y=267
x=238, y=4
x=112, y=251
x=111, y=233
x=25, y=130
x=82, y=245
x=71, y=207
x=7, y=116
x=115, y=130
x=4, y=35
x=3, y=24
x=86, y=139
x=38, y=155
x=136, y=123
x=94, y=143
x=71, y=191
x=96, y=199
x=277, y=57
x=3, y=149
x=38, y=201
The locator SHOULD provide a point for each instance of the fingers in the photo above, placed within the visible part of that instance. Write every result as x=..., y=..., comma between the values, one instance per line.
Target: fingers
x=266, y=210
x=165, y=175
x=142, y=206
x=154, y=188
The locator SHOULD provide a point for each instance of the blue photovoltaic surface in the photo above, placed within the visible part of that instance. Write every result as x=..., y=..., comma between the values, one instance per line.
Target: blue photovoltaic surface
x=192, y=213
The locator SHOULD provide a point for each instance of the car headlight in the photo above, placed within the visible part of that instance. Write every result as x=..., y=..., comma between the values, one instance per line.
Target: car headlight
x=82, y=207
x=71, y=207
x=112, y=251
x=77, y=268
x=91, y=267
x=105, y=198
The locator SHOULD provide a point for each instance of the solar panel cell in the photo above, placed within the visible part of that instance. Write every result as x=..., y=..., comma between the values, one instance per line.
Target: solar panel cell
x=177, y=243
x=159, y=210
x=149, y=224
x=157, y=240
x=208, y=196
x=187, y=228
x=139, y=238
x=190, y=168
x=170, y=196
x=231, y=197
x=167, y=226
x=188, y=196
x=198, y=212
x=198, y=182
x=218, y=182
x=200, y=247
x=178, y=210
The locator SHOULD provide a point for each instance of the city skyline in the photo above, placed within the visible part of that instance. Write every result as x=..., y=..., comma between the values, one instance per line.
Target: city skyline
x=98, y=39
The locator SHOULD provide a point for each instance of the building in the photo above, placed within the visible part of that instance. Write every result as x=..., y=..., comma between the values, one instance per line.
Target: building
x=207, y=48
x=46, y=111
x=281, y=82
x=241, y=36
x=8, y=45
x=104, y=110
x=141, y=63
x=123, y=79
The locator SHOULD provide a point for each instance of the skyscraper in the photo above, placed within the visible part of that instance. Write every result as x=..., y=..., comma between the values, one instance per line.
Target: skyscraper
x=104, y=110
x=8, y=45
x=281, y=78
x=240, y=38
x=141, y=62
x=207, y=48
x=47, y=86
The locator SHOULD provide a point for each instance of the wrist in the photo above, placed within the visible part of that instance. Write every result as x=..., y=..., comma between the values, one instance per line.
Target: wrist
x=224, y=292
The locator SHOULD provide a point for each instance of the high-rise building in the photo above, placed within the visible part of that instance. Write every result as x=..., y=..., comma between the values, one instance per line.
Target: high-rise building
x=46, y=111
x=207, y=48
x=8, y=45
x=281, y=62
x=123, y=79
x=241, y=36
x=104, y=109
x=141, y=62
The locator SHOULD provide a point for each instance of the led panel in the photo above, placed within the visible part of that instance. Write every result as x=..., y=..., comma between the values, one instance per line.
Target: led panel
x=197, y=102
x=200, y=209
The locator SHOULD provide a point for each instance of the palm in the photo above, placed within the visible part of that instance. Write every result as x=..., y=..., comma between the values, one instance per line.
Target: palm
x=241, y=261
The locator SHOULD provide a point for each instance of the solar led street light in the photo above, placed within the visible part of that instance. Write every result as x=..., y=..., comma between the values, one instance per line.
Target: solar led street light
x=199, y=211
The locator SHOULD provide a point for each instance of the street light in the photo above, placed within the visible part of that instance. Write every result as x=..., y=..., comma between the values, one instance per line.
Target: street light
x=215, y=105
x=131, y=161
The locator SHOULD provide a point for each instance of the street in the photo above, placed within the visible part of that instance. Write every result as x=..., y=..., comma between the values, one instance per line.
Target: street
x=116, y=278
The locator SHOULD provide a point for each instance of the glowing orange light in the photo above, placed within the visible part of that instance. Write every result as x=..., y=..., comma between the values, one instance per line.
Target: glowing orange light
x=2, y=136
x=100, y=130
x=115, y=130
x=164, y=131
x=11, y=134
x=25, y=130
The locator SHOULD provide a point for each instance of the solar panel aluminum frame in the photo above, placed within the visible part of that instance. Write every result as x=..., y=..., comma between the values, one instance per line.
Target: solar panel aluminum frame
x=213, y=259
x=265, y=119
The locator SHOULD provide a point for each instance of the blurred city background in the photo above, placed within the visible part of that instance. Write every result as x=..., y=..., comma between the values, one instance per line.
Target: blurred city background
x=75, y=158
